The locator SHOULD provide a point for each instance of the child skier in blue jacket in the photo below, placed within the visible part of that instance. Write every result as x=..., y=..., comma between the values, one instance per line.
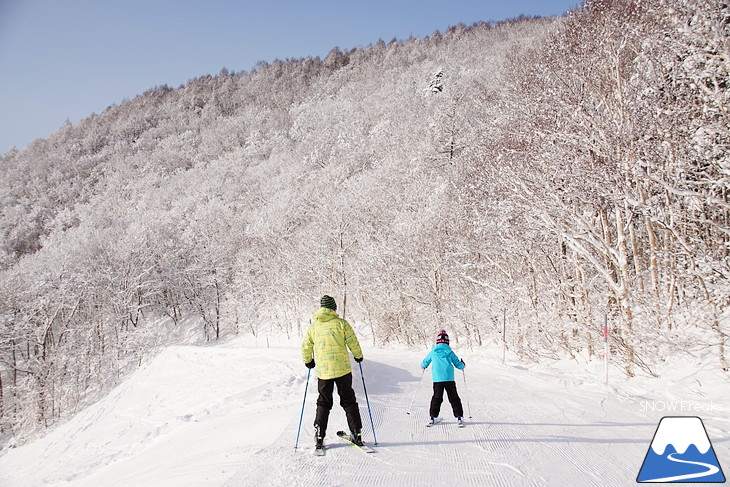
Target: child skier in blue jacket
x=444, y=360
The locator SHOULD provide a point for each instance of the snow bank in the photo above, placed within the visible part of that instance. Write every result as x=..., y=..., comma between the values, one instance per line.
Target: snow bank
x=190, y=417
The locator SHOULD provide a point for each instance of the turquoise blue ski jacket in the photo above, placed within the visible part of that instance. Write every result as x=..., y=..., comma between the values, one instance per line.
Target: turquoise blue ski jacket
x=444, y=360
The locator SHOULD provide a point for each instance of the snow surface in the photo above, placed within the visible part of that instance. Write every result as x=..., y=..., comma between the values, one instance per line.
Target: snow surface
x=227, y=415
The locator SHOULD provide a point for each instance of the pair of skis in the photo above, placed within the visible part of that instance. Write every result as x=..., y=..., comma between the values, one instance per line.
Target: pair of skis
x=441, y=420
x=320, y=452
x=345, y=437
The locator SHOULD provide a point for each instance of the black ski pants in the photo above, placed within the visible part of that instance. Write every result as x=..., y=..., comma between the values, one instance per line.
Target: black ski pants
x=347, y=401
x=438, y=398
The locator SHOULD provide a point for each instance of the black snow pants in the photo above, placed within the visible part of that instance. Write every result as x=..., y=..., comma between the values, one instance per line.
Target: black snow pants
x=438, y=398
x=347, y=401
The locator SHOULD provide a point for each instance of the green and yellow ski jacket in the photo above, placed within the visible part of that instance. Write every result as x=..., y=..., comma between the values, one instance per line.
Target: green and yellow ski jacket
x=328, y=338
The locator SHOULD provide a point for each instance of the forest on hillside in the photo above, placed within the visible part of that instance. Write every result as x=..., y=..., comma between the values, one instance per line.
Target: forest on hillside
x=557, y=172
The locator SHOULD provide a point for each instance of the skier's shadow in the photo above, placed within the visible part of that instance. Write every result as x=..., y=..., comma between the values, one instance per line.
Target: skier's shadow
x=486, y=441
x=382, y=378
x=572, y=425
x=481, y=442
x=485, y=435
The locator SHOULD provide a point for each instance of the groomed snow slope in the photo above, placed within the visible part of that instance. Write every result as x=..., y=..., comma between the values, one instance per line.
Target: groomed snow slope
x=224, y=415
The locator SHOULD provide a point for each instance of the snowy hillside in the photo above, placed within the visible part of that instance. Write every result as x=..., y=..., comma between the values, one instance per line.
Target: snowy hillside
x=228, y=416
x=472, y=179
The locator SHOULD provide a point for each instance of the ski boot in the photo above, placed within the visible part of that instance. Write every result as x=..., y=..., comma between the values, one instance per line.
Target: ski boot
x=356, y=438
x=318, y=438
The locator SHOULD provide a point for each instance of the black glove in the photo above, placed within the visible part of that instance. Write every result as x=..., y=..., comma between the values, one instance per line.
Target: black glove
x=310, y=365
x=358, y=360
x=462, y=361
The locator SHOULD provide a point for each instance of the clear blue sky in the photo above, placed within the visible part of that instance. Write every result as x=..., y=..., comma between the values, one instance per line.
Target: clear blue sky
x=67, y=59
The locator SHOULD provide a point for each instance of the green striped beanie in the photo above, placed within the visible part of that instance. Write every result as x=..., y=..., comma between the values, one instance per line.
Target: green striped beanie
x=328, y=302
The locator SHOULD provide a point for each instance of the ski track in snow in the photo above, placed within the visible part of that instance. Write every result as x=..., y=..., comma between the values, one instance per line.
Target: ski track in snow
x=522, y=432
x=223, y=416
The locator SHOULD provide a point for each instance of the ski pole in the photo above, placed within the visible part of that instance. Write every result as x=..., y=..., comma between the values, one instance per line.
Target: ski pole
x=368, y=403
x=466, y=392
x=306, y=386
x=414, y=394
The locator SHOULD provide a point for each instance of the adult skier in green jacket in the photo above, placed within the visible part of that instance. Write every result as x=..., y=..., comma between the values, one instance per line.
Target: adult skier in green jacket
x=328, y=338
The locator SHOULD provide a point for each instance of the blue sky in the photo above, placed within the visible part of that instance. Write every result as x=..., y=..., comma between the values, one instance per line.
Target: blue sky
x=66, y=59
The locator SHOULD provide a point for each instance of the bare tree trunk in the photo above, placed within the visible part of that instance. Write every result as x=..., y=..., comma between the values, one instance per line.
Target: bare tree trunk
x=715, y=325
x=344, y=273
x=635, y=251
x=651, y=235
x=624, y=297
x=218, y=301
x=623, y=265
x=2, y=404
x=608, y=241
